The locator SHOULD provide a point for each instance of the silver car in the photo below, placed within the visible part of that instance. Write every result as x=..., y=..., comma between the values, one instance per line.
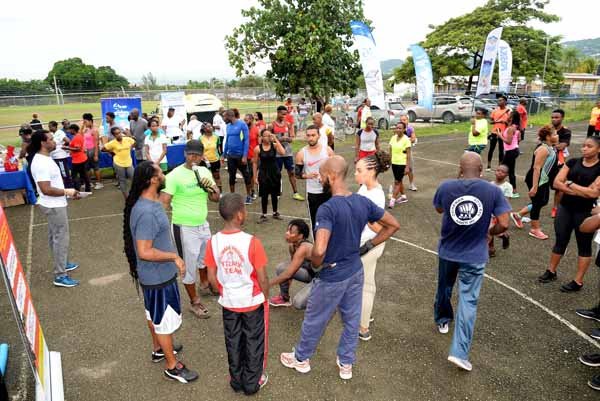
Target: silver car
x=384, y=119
x=445, y=108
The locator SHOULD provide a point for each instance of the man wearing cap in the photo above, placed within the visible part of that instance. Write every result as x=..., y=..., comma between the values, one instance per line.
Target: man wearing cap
x=137, y=127
x=187, y=191
x=172, y=125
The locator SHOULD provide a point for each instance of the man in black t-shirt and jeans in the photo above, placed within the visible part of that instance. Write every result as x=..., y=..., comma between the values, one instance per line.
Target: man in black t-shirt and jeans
x=562, y=149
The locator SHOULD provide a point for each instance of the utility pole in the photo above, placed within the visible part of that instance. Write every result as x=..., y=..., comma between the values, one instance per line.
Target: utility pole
x=56, y=91
x=545, y=62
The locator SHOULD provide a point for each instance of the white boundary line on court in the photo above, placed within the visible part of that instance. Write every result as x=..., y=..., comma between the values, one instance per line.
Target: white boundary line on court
x=495, y=280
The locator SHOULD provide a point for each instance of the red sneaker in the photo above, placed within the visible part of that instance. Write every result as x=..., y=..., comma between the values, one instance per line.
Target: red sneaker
x=278, y=300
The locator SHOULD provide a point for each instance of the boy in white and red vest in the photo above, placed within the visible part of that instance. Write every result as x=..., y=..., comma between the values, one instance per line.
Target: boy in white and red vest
x=236, y=263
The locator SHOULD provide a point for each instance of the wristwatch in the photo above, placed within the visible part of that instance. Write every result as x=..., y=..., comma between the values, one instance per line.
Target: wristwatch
x=569, y=183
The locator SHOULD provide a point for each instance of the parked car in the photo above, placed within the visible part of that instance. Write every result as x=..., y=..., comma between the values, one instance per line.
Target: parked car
x=446, y=108
x=383, y=118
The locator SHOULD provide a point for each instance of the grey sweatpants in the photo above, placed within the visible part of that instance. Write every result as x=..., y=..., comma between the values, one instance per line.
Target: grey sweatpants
x=124, y=176
x=302, y=275
x=58, y=237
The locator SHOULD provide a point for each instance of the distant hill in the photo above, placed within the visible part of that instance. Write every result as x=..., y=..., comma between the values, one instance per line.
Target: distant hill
x=589, y=47
x=387, y=66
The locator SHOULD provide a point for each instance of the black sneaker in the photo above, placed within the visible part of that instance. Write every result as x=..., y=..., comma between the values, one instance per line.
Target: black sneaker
x=505, y=241
x=571, y=287
x=547, y=277
x=595, y=382
x=595, y=334
x=592, y=360
x=159, y=355
x=593, y=313
x=181, y=373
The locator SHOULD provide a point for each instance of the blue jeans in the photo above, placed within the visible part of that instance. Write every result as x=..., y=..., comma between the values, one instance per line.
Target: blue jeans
x=325, y=297
x=470, y=277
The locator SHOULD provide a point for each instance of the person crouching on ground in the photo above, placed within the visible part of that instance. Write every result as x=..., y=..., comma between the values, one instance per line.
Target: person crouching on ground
x=236, y=264
x=297, y=268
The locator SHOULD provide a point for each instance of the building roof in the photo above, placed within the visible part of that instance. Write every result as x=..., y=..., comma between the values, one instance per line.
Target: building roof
x=578, y=75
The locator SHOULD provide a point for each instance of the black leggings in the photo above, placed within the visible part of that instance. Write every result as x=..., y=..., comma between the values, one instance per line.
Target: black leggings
x=493, y=140
x=314, y=201
x=234, y=163
x=592, y=130
x=541, y=198
x=264, y=201
x=79, y=172
x=567, y=221
x=510, y=160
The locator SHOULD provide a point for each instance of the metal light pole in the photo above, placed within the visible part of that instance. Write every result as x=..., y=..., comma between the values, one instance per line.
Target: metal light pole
x=545, y=62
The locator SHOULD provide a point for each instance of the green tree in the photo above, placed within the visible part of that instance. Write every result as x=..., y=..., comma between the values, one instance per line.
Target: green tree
x=250, y=81
x=570, y=59
x=149, y=81
x=107, y=78
x=588, y=65
x=73, y=74
x=306, y=43
x=456, y=46
x=14, y=87
x=198, y=85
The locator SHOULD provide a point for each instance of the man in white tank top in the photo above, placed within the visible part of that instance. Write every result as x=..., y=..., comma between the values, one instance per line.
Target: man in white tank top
x=308, y=161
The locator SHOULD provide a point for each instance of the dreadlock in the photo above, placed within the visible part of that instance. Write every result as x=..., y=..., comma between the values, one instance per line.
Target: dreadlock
x=380, y=161
x=141, y=181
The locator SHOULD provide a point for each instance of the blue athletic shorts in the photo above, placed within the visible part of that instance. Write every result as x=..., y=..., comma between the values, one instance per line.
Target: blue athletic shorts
x=163, y=306
x=287, y=161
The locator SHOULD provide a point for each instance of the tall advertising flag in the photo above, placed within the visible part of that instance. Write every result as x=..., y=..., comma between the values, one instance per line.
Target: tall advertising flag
x=484, y=83
x=424, y=76
x=363, y=39
x=504, y=66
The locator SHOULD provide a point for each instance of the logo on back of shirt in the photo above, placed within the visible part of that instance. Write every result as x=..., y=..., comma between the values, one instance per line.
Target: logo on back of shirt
x=466, y=210
x=232, y=260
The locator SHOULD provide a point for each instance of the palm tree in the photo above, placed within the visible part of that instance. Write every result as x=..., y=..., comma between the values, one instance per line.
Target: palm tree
x=588, y=65
x=571, y=57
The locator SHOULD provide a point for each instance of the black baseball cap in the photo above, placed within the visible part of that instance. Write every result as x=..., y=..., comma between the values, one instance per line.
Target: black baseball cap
x=194, y=146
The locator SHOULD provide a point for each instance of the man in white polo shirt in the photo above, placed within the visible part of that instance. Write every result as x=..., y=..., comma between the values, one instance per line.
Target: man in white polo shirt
x=53, y=203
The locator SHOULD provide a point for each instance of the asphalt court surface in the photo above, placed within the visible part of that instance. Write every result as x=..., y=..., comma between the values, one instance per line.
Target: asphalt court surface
x=520, y=351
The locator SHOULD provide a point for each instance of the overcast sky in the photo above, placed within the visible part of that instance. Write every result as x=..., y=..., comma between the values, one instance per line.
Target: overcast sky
x=188, y=36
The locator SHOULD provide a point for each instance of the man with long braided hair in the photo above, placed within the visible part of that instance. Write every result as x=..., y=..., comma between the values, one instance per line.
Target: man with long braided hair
x=154, y=263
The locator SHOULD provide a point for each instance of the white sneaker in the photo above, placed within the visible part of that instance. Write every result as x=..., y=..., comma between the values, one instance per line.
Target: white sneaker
x=345, y=370
x=525, y=219
x=98, y=185
x=288, y=359
x=412, y=187
x=402, y=199
x=461, y=363
x=443, y=328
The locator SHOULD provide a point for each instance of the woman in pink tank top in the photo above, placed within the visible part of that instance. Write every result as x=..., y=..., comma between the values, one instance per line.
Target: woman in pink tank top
x=510, y=138
x=90, y=143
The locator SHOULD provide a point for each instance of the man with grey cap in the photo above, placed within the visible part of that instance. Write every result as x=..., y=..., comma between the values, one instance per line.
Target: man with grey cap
x=187, y=191
x=137, y=127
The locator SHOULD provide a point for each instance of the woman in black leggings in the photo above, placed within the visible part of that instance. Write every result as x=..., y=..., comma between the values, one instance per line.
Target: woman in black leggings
x=579, y=181
x=538, y=181
x=510, y=139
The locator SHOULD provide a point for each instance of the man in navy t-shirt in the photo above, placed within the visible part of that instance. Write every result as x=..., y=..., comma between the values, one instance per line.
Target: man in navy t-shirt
x=467, y=204
x=339, y=283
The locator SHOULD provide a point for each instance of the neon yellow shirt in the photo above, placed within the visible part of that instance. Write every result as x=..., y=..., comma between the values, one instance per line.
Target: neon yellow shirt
x=210, y=147
x=189, y=202
x=594, y=115
x=481, y=126
x=399, y=149
x=122, y=151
